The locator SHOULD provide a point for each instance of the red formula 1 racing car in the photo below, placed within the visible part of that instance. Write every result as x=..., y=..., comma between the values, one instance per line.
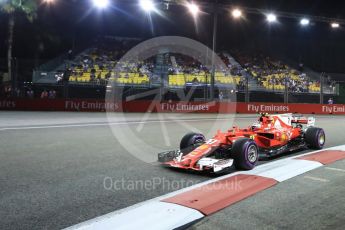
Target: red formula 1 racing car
x=270, y=136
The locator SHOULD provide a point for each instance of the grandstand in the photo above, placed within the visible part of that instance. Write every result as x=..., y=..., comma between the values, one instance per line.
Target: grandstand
x=97, y=66
x=87, y=74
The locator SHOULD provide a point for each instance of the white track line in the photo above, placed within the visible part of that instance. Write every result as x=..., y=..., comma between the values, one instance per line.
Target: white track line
x=316, y=179
x=335, y=169
x=112, y=123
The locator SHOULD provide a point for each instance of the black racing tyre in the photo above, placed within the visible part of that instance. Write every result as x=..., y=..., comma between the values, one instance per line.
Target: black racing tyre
x=245, y=153
x=315, y=137
x=191, y=141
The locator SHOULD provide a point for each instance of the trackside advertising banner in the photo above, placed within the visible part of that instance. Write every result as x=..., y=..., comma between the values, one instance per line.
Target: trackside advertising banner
x=59, y=105
x=166, y=107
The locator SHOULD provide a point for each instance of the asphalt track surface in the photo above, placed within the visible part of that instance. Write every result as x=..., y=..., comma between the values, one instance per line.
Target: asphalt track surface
x=59, y=169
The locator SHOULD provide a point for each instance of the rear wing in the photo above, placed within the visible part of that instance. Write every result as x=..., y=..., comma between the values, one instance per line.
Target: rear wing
x=290, y=118
x=309, y=121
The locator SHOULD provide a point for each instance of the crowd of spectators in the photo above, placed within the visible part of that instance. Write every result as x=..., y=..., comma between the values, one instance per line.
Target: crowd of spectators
x=100, y=64
x=27, y=92
x=183, y=69
x=48, y=94
x=103, y=62
x=8, y=92
x=189, y=65
x=184, y=64
x=274, y=74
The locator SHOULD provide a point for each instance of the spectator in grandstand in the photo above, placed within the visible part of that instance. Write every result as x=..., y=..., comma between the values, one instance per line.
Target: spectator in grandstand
x=85, y=67
x=52, y=94
x=195, y=80
x=18, y=92
x=108, y=75
x=44, y=94
x=330, y=101
x=7, y=92
x=93, y=75
x=101, y=66
x=221, y=96
x=98, y=79
x=67, y=74
x=30, y=93
x=241, y=86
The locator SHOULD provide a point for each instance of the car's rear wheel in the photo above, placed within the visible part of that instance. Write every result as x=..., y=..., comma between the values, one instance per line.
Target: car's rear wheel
x=191, y=141
x=245, y=153
x=315, y=138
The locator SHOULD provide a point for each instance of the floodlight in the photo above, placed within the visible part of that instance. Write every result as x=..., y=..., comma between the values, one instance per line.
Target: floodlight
x=101, y=3
x=335, y=25
x=271, y=17
x=147, y=5
x=304, y=22
x=193, y=8
x=48, y=1
x=236, y=13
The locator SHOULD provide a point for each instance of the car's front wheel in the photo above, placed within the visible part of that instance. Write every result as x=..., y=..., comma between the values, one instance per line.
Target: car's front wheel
x=245, y=153
x=191, y=141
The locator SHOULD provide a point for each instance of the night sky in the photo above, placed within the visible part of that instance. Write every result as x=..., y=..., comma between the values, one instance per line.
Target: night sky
x=75, y=24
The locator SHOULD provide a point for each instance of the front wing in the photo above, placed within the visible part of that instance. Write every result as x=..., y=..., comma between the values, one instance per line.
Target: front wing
x=174, y=159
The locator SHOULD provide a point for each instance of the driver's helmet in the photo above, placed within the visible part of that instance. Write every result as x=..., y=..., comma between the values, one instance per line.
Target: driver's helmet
x=256, y=125
x=264, y=118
